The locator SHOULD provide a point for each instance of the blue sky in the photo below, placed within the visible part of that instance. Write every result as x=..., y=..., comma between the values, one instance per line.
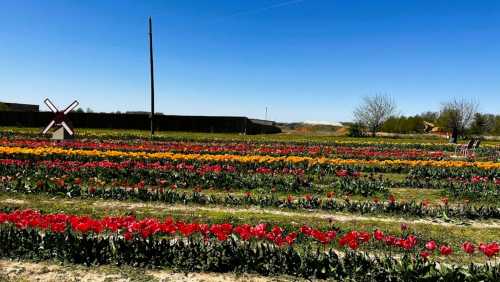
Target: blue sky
x=305, y=60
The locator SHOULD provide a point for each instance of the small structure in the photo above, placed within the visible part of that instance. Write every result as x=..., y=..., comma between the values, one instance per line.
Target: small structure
x=64, y=130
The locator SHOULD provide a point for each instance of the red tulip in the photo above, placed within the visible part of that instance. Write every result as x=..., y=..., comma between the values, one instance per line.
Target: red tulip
x=323, y=237
x=392, y=199
x=409, y=242
x=128, y=236
x=291, y=237
x=379, y=235
x=364, y=236
x=259, y=230
x=424, y=254
x=277, y=231
x=468, y=247
x=244, y=231
x=58, y=227
x=306, y=230
x=490, y=249
x=390, y=240
x=445, y=250
x=425, y=203
x=59, y=182
x=342, y=173
x=353, y=244
x=431, y=245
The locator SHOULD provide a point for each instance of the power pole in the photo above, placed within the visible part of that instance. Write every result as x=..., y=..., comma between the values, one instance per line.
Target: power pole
x=266, y=114
x=152, y=77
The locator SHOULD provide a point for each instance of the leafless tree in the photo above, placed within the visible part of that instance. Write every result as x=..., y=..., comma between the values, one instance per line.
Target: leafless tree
x=374, y=111
x=457, y=115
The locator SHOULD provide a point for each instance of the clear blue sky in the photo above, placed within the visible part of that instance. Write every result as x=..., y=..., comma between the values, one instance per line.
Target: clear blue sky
x=305, y=60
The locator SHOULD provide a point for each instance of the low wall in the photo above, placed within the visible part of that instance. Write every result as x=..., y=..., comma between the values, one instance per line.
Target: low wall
x=216, y=124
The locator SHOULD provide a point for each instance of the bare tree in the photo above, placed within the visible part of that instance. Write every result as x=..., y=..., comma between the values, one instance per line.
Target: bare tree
x=374, y=111
x=457, y=115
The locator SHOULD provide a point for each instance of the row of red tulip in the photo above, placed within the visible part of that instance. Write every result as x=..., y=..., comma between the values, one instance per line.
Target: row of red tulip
x=130, y=226
x=201, y=168
x=239, y=148
x=164, y=166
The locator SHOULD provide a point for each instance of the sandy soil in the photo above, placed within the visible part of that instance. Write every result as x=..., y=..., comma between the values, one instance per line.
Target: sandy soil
x=47, y=271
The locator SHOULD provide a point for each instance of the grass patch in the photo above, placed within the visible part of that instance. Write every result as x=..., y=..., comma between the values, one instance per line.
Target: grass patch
x=233, y=137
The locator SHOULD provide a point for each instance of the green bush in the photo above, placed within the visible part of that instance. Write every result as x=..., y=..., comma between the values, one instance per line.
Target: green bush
x=356, y=130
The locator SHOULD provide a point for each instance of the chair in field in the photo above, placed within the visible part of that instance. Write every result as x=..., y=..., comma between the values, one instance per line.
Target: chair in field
x=463, y=149
x=475, y=146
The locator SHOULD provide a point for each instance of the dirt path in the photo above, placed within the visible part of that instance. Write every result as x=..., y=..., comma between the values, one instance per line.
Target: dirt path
x=49, y=271
x=342, y=217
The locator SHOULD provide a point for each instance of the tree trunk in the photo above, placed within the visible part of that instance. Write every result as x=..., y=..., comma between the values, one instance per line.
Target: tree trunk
x=454, y=135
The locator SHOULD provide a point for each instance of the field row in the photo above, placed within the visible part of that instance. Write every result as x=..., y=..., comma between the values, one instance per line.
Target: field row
x=327, y=210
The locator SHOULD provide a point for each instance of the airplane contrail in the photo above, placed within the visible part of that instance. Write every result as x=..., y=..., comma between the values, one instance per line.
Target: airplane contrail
x=258, y=10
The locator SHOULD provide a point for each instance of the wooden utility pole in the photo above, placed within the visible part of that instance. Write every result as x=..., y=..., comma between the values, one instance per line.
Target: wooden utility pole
x=152, y=77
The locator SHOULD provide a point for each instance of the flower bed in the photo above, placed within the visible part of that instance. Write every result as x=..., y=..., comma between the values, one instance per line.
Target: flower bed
x=243, y=159
x=352, y=177
x=236, y=148
x=33, y=175
x=132, y=174
x=131, y=228
x=223, y=247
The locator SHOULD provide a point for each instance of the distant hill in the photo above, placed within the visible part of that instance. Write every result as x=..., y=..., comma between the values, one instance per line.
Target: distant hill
x=314, y=128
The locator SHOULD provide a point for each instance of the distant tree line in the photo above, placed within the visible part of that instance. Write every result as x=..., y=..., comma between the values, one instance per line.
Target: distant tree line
x=459, y=117
x=402, y=124
x=481, y=124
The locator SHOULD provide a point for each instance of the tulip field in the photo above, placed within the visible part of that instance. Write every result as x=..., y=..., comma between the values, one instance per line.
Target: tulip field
x=289, y=207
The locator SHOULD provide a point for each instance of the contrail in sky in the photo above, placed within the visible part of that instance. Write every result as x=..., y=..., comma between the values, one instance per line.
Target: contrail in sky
x=259, y=10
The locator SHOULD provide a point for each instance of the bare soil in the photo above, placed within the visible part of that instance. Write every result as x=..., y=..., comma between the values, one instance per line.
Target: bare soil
x=52, y=272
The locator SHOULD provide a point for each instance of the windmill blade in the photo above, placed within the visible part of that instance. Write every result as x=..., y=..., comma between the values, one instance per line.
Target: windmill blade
x=68, y=129
x=50, y=105
x=71, y=107
x=48, y=126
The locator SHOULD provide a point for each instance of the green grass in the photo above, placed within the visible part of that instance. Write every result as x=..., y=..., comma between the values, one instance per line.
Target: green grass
x=412, y=194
